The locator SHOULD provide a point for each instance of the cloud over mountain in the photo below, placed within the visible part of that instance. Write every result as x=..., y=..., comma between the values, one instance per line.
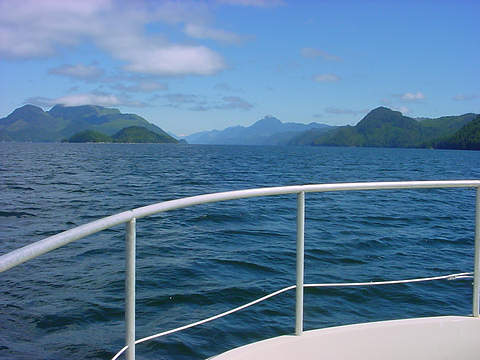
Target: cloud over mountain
x=84, y=99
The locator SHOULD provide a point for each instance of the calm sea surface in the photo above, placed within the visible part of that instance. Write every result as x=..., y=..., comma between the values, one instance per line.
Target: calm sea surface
x=197, y=262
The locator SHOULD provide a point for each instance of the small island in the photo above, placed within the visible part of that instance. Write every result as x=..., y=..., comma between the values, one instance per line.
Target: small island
x=89, y=136
x=131, y=134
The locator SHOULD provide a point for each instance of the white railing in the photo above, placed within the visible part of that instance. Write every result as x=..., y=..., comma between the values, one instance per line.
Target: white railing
x=285, y=289
x=38, y=248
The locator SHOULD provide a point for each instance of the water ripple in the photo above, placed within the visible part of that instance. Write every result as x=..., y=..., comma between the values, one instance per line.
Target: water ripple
x=194, y=263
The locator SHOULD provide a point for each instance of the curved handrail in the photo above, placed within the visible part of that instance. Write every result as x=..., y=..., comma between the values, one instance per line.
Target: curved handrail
x=28, y=252
x=21, y=255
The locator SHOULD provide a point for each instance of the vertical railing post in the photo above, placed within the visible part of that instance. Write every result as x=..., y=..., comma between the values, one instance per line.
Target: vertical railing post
x=300, y=262
x=130, y=289
x=476, y=271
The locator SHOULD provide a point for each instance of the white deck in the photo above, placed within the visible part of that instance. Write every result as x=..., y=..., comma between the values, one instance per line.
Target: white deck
x=436, y=338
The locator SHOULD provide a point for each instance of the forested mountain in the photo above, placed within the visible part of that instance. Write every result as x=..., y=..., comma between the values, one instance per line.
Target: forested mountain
x=131, y=134
x=138, y=134
x=31, y=123
x=467, y=138
x=445, y=125
x=383, y=127
x=89, y=136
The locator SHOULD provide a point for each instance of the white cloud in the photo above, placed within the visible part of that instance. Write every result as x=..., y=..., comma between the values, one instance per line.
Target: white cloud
x=39, y=101
x=88, y=99
x=33, y=28
x=412, y=96
x=326, y=78
x=84, y=99
x=79, y=71
x=172, y=60
x=198, y=31
x=314, y=53
x=76, y=100
x=255, y=3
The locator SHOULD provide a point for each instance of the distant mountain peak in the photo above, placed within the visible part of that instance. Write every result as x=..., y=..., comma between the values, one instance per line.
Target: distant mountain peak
x=267, y=131
x=382, y=114
x=267, y=125
x=269, y=119
x=382, y=110
x=26, y=113
x=28, y=108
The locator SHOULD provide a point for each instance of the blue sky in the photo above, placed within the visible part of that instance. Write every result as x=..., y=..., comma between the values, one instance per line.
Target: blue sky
x=189, y=66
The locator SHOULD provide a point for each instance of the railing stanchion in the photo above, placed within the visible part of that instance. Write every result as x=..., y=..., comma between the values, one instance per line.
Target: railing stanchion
x=130, y=289
x=300, y=262
x=476, y=271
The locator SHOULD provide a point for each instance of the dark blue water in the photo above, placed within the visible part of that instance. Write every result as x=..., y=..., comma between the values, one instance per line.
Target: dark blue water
x=196, y=262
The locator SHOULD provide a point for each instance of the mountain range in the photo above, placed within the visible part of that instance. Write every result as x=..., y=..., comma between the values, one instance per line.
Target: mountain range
x=383, y=127
x=31, y=123
x=267, y=131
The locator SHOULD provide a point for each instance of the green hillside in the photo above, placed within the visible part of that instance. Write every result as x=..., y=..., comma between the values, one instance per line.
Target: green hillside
x=138, y=134
x=309, y=137
x=383, y=127
x=467, y=138
x=445, y=125
x=31, y=123
x=131, y=134
x=81, y=112
x=90, y=136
